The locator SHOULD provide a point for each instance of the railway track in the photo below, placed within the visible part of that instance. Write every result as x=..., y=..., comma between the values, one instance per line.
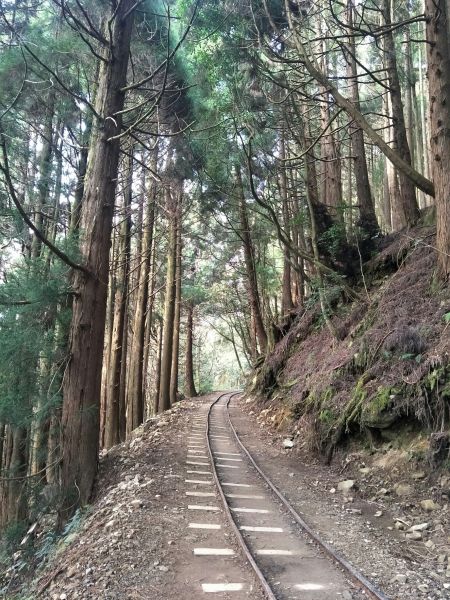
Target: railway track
x=288, y=558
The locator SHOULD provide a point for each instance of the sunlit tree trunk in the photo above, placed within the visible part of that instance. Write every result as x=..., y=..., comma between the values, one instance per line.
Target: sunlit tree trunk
x=405, y=209
x=135, y=385
x=189, y=384
x=367, y=219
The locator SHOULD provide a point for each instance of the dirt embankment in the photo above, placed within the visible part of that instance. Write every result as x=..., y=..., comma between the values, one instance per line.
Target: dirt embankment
x=388, y=371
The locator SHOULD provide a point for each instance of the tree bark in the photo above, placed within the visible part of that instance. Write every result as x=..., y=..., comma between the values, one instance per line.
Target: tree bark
x=367, y=218
x=189, y=383
x=118, y=349
x=330, y=165
x=169, y=305
x=135, y=384
x=82, y=383
x=45, y=169
x=14, y=501
x=177, y=310
x=405, y=208
x=249, y=256
x=158, y=367
x=286, y=295
x=438, y=53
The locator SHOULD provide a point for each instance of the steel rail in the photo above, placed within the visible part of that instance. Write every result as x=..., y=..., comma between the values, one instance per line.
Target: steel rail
x=240, y=538
x=357, y=577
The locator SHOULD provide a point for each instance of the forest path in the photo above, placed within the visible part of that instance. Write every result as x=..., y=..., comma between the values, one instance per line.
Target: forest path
x=139, y=540
x=137, y=543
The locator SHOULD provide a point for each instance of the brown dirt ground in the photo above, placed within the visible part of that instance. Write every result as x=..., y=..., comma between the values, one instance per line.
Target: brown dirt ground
x=134, y=543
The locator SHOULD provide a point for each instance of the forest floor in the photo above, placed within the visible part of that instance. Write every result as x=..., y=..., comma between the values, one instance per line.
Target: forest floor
x=134, y=542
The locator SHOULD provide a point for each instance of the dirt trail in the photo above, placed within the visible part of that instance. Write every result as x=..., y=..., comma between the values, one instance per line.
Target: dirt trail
x=136, y=543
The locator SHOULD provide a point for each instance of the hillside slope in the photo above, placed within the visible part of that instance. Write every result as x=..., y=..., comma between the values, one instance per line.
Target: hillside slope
x=387, y=374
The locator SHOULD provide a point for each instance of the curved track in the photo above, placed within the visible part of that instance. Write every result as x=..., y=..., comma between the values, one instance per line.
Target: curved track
x=288, y=558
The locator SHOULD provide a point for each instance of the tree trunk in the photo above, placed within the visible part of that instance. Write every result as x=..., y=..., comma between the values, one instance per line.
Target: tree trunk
x=148, y=388
x=14, y=501
x=169, y=306
x=330, y=165
x=135, y=384
x=177, y=310
x=45, y=169
x=367, y=218
x=75, y=212
x=286, y=295
x=189, y=384
x=82, y=382
x=117, y=348
x=249, y=256
x=438, y=52
x=405, y=209
x=158, y=368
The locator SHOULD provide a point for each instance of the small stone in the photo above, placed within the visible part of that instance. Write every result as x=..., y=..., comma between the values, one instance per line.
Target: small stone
x=378, y=514
x=402, y=489
x=364, y=470
x=442, y=558
x=346, y=486
x=110, y=524
x=418, y=475
x=423, y=587
x=401, y=578
x=137, y=503
x=414, y=535
x=419, y=527
x=429, y=505
x=163, y=568
x=401, y=525
x=288, y=443
x=430, y=544
x=63, y=597
x=333, y=491
x=382, y=492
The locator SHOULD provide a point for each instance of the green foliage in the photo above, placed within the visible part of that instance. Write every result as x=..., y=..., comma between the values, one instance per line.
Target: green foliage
x=34, y=316
x=326, y=416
